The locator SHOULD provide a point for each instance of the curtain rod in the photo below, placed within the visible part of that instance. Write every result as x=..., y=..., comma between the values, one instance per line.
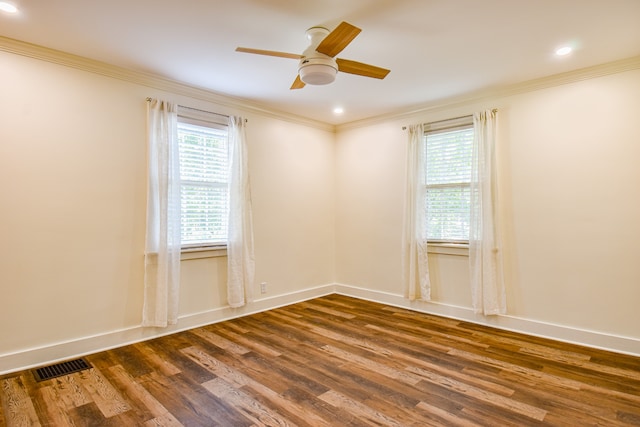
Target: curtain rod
x=495, y=110
x=201, y=111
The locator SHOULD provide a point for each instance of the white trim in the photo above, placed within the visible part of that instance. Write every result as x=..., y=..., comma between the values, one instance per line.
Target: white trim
x=594, y=339
x=56, y=352
x=458, y=249
x=601, y=70
x=146, y=79
x=206, y=252
x=29, y=50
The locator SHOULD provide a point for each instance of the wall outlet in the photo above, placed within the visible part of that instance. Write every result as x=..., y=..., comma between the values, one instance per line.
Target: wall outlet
x=263, y=287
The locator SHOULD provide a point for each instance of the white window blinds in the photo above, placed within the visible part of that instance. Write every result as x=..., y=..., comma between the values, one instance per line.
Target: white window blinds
x=447, y=181
x=204, y=183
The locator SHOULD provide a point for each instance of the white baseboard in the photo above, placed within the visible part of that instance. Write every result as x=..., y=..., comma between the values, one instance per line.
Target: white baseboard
x=53, y=353
x=618, y=344
x=29, y=358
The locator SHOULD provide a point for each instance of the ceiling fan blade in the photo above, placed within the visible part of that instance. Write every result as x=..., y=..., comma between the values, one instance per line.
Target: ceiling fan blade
x=269, y=53
x=297, y=83
x=338, y=39
x=361, y=69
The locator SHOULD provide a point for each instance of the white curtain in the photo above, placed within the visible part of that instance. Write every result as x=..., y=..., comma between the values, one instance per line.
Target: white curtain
x=414, y=242
x=162, y=248
x=240, y=253
x=485, y=251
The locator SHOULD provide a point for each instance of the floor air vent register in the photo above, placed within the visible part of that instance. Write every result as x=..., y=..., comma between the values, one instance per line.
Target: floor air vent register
x=60, y=369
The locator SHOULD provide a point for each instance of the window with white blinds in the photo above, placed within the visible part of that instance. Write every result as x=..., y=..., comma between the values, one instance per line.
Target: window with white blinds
x=204, y=164
x=448, y=153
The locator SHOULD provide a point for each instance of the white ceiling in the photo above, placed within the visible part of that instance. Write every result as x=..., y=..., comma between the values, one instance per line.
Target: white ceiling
x=436, y=49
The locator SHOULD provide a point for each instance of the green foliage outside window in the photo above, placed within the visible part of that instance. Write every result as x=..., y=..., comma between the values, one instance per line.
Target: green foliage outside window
x=447, y=177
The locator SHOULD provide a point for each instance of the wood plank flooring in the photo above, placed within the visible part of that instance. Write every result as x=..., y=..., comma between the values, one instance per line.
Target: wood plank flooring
x=335, y=361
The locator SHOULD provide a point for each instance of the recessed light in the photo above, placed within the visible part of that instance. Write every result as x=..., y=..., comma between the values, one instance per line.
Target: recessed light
x=564, y=50
x=338, y=110
x=8, y=7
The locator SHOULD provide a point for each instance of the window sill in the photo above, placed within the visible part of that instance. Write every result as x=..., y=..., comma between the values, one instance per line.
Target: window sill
x=205, y=252
x=458, y=249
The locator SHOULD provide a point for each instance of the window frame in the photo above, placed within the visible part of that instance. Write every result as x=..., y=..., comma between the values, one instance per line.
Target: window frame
x=447, y=125
x=206, y=119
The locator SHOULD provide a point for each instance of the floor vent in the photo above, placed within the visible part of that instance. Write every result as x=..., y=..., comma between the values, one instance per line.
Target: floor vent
x=60, y=369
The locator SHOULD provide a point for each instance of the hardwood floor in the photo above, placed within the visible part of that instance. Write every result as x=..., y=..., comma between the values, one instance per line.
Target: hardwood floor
x=335, y=361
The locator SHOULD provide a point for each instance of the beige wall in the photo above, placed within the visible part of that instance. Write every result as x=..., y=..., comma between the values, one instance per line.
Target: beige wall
x=72, y=188
x=569, y=181
x=327, y=208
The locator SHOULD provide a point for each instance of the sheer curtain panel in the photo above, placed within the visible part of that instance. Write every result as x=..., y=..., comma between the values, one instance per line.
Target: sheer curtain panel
x=240, y=253
x=162, y=247
x=485, y=251
x=414, y=237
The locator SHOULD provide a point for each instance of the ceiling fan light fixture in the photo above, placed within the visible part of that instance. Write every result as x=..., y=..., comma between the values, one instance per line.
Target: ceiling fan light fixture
x=317, y=71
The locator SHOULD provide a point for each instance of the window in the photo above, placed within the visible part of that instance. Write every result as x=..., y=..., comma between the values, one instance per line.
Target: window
x=448, y=152
x=204, y=185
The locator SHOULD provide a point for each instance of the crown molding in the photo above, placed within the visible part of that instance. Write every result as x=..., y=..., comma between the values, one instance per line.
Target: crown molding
x=615, y=67
x=42, y=53
x=154, y=81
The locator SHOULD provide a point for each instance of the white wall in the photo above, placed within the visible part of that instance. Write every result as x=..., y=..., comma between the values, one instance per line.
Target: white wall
x=72, y=185
x=72, y=223
x=574, y=204
x=569, y=198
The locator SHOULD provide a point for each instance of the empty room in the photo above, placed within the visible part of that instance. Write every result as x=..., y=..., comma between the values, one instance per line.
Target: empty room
x=329, y=213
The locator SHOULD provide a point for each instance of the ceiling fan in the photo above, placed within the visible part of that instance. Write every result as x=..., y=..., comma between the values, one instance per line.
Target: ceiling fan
x=318, y=65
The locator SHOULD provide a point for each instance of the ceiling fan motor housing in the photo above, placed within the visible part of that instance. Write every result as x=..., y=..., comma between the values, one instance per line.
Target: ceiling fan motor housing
x=316, y=68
